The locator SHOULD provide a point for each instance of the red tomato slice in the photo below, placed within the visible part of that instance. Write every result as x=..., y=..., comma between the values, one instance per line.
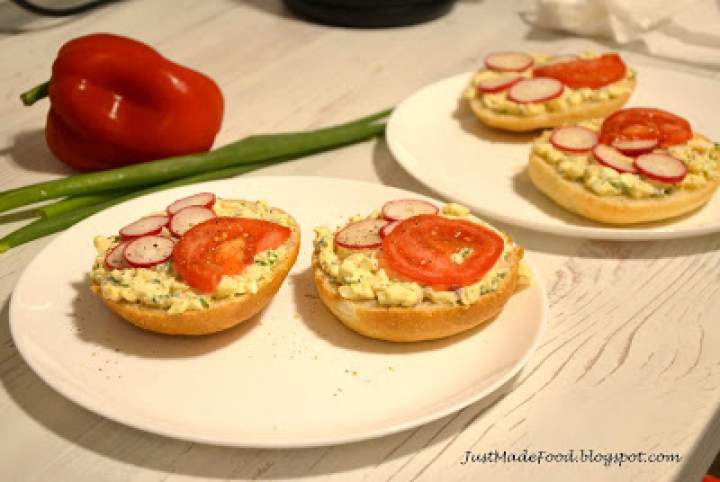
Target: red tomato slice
x=645, y=123
x=223, y=246
x=420, y=249
x=593, y=73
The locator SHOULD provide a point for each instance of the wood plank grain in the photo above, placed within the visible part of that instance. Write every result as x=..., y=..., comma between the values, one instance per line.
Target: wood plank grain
x=629, y=361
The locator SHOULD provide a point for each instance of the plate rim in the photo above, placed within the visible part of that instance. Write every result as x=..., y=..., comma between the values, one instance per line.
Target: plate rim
x=23, y=345
x=600, y=232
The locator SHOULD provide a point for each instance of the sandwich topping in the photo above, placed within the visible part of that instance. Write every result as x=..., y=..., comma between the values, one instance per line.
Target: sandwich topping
x=202, y=250
x=522, y=84
x=636, y=152
x=424, y=248
x=416, y=256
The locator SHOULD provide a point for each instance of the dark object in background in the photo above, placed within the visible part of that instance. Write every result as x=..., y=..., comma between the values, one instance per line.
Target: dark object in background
x=62, y=11
x=369, y=13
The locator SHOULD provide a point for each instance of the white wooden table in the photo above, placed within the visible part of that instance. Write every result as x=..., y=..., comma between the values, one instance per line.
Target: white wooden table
x=630, y=361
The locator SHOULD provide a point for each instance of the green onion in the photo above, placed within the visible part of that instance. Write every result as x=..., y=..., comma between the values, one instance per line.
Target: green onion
x=43, y=227
x=35, y=94
x=76, y=202
x=257, y=148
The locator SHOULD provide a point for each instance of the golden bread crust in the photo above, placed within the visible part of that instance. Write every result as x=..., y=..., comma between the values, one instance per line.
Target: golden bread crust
x=584, y=111
x=619, y=209
x=220, y=316
x=427, y=321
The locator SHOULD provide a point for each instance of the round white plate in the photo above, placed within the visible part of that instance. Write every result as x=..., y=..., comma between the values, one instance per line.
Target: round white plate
x=292, y=376
x=438, y=140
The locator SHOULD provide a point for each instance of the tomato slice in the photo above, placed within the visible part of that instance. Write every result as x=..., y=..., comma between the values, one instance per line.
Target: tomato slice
x=420, y=249
x=223, y=246
x=645, y=123
x=593, y=73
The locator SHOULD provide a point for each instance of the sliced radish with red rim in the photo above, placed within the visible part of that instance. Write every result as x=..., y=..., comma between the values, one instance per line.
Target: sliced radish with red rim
x=188, y=217
x=509, y=61
x=407, y=208
x=560, y=59
x=498, y=84
x=362, y=234
x=388, y=228
x=537, y=89
x=115, y=258
x=205, y=199
x=634, y=147
x=144, y=226
x=148, y=251
x=574, y=138
x=611, y=157
x=661, y=167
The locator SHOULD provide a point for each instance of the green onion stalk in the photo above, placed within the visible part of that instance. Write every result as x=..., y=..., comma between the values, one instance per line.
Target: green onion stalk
x=87, y=194
x=253, y=149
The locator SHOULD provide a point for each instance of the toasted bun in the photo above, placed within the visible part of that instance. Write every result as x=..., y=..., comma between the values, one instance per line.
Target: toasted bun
x=427, y=321
x=584, y=111
x=619, y=209
x=220, y=316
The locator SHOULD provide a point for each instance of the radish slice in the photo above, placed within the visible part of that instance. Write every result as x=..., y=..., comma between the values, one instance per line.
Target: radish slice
x=188, y=217
x=661, y=167
x=148, y=251
x=509, y=61
x=144, y=226
x=574, y=138
x=561, y=59
x=634, y=147
x=537, y=89
x=498, y=84
x=361, y=235
x=388, y=228
x=611, y=157
x=406, y=208
x=115, y=258
x=206, y=199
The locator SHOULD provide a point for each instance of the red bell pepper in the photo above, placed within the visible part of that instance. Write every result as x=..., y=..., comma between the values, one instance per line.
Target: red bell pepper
x=116, y=101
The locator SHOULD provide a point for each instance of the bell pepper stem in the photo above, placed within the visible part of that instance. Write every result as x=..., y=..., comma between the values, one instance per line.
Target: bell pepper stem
x=33, y=95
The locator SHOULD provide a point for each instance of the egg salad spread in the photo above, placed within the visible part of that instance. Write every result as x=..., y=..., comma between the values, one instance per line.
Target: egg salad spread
x=498, y=102
x=358, y=276
x=161, y=287
x=701, y=157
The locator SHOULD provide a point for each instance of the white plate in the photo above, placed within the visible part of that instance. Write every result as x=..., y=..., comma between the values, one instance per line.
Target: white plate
x=440, y=142
x=293, y=376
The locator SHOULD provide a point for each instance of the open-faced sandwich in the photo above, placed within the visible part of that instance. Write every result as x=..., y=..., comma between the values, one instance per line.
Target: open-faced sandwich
x=201, y=266
x=410, y=272
x=518, y=91
x=638, y=165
